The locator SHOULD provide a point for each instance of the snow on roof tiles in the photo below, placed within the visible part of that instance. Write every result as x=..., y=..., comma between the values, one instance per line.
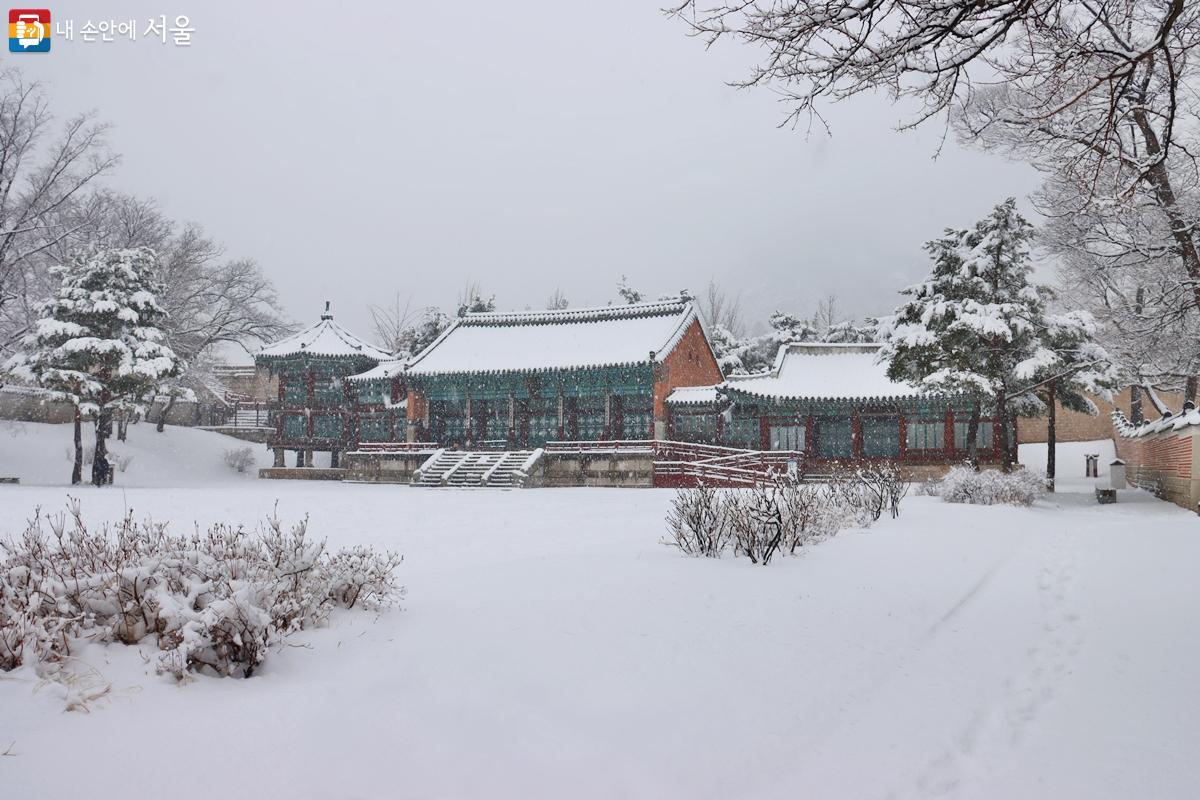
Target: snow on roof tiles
x=693, y=395
x=381, y=371
x=541, y=341
x=326, y=338
x=823, y=371
x=1170, y=423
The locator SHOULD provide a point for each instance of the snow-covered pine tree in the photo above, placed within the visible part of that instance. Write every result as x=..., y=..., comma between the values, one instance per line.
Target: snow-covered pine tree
x=1067, y=365
x=97, y=341
x=476, y=303
x=728, y=349
x=972, y=321
x=627, y=293
x=849, y=332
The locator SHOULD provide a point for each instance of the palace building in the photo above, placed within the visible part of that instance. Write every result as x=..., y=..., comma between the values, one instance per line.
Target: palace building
x=630, y=381
x=311, y=413
x=498, y=380
x=833, y=403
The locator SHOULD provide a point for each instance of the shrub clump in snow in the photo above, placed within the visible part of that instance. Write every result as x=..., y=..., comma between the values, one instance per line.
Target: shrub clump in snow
x=213, y=602
x=991, y=487
x=780, y=514
x=240, y=458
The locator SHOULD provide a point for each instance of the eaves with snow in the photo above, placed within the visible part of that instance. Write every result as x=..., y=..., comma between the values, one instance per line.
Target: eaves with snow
x=548, y=341
x=326, y=339
x=1168, y=424
x=822, y=371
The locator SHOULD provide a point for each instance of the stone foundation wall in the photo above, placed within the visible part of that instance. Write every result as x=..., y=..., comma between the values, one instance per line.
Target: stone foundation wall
x=918, y=473
x=303, y=473
x=627, y=470
x=382, y=467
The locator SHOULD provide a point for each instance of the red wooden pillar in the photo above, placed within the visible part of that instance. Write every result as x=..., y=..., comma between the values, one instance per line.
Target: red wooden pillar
x=856, y=434
x=764, y=433
x=948, y=434
x=810, y=430
x=903, y=436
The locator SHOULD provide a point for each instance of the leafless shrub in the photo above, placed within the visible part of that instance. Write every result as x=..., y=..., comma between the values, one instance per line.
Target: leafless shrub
x=240, y=458
x=698, y=522
x=213, y=602
x=781, y=514
x=802, y=514
x=883, y=488
x=758, y=518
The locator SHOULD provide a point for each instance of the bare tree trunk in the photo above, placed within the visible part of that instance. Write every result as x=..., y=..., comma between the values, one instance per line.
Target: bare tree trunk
x=100, y=468
x=1160, y=180
x=77, y=467
x=972, y=435
x=1136, y=415
x=1189, y=390
x=1006, y=456
x=162, y=418
x=1051, y=435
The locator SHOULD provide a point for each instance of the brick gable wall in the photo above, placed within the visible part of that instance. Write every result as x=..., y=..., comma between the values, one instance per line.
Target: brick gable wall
x=691, y=363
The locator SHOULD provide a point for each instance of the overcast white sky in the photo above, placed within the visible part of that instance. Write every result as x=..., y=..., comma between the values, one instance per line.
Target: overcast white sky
x=357, y=150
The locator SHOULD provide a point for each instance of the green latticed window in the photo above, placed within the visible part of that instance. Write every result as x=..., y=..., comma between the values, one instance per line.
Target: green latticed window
x=700, y=428
x=835, y=438
x=374, y=429
x=788, y=437
x=372, y=392
x=637, y=414
x=327, y=426
x=327, y=387
x=881, y=437
x=295, y=387
x=984, y=437
x=590, y=418
x=295, y=426
x=448, y=420
x=543, y=420
x=742, y=432
x=926, y=435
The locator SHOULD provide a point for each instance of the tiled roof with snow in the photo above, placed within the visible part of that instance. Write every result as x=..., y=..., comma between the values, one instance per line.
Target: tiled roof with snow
x=693, y=395
x=543, y=341
x=823, y=371
x=326, y=338
x=381, y=371
x=1168, y=424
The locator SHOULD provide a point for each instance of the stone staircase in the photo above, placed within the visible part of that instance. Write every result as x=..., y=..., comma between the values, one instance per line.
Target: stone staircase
x=464, y=469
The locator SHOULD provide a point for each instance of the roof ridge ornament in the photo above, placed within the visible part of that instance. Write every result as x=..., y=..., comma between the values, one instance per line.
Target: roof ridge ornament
x=328, y=314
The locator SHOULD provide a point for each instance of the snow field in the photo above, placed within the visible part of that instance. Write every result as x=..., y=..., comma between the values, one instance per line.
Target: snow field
x=549, y=646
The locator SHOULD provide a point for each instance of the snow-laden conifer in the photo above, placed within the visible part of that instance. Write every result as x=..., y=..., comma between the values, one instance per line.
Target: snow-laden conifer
x=968, y=325
x=98, y=342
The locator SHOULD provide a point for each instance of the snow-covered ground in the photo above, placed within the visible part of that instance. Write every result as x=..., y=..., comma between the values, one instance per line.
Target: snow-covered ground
x=549, y=646
x=41, y=455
